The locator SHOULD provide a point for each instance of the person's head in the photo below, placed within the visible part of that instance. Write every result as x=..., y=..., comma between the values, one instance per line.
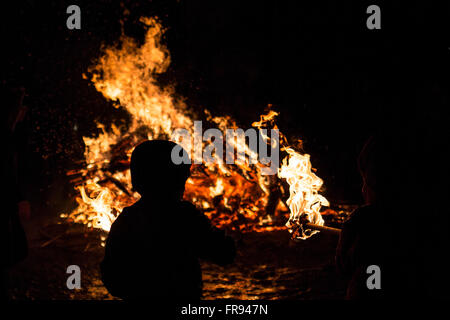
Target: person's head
x=367, y=168
x=383, y=165
x=153, y=173
x=388, y=163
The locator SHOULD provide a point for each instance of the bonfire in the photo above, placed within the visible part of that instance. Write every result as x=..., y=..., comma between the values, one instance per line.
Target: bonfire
x=234, y=196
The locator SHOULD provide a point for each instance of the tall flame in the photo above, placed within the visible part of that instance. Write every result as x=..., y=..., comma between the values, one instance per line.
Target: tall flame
x=234, y=196
x=304, y=200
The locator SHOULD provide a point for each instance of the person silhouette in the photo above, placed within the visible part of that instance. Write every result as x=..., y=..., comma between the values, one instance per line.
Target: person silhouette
x=16, y=171
x=382, y=232
x=154, y=246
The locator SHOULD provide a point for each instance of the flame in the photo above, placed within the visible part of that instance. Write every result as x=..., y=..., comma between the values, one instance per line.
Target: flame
x=232, y=196
x=304, y=200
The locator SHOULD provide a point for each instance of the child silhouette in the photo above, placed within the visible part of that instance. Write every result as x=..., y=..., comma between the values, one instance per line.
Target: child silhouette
x=154, y=246
x=382, y=232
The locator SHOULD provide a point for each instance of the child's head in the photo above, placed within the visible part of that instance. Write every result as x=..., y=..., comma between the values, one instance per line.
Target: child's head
x=384, y=164
x=153, y=172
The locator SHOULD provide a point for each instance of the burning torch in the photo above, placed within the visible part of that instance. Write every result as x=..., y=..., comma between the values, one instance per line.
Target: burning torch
x=303, y=229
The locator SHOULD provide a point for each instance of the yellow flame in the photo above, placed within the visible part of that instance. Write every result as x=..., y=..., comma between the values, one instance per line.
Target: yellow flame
x=304, y=200
x=126, y=75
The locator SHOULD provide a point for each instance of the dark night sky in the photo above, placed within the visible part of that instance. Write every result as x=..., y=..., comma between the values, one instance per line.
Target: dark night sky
x=333, y=80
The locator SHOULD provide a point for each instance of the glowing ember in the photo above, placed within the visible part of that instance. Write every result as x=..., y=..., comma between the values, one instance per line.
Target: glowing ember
x=232, y=196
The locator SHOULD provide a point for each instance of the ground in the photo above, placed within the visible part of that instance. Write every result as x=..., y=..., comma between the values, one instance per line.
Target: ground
x=268, y=266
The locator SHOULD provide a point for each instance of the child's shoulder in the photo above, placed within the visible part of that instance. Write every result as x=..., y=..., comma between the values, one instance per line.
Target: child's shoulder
x=186, y=205
x=125, y=219
x=189, y=210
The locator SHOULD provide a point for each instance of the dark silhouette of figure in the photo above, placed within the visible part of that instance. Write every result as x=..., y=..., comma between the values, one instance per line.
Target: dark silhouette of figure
x=382, y=232
x=154, y=246
x=14, y=246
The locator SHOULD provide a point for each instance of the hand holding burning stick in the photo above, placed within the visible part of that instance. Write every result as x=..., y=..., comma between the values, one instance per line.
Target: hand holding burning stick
x=306, y=228
x=304, y=199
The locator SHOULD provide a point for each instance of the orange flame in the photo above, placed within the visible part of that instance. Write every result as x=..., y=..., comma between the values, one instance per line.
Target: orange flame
x=234, y=196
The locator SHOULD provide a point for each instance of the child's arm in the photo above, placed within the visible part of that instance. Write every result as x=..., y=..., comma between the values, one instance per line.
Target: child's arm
x=117, y=259
x=211, y=243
